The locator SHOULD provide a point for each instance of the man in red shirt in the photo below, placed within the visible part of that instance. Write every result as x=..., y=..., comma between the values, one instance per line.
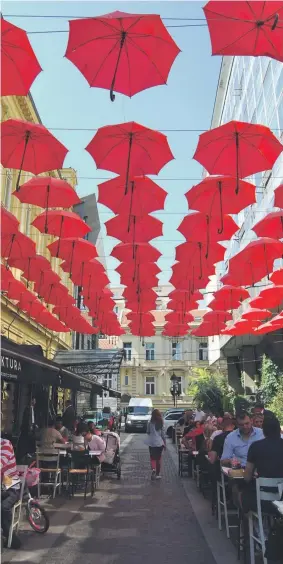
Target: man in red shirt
x=9, y=495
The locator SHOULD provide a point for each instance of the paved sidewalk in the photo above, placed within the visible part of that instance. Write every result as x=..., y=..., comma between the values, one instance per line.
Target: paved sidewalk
x=128, y=522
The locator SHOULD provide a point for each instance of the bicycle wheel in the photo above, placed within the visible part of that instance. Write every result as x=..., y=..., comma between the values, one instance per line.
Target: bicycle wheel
x=37, y=517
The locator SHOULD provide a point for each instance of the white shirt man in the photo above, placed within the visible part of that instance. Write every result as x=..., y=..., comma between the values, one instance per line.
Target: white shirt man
x=199, y=415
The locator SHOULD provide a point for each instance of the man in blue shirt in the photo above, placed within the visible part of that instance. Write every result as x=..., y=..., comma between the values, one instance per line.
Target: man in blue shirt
x=238, y=442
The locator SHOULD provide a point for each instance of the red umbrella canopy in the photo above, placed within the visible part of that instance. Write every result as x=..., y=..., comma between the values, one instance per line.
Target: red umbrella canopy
x=266, y=328
x=185, y=304
x=179, y=317
x=246, y=28
x=82, y=271
x=129, y=269
x=123, y=52
x=241, y=327
x=172, y=330
x=142, y=331
x=31, y=266
x=206, y=329
x=73, y=250
x=30, y=147
x=269, y=298
x=143, y=197
x=247, y=276
x=19, y=65
x=139, y=252
x=142, y=280
x=224, y=304
x=217, y=316
x=277, y=277
x=218, y=195
x=67, y=312
x=262, y=251
x=256, y=314
x=143, y=317
x=194, y=252
x=133, y=228
x=201, y=227
x=270, y=226
x=48, y=320
x=186, y=276
x=56, y=294
x=6, y=278
x=238, y=148
x=9, y=223
x=130, y=149
x=26, y=299
x=44, y=279
x=61, y=223
x=33, y=308
x=15, y=289
x=132, y=294
x=47, y=192
x=17, y=245
x=278, y=196
x=238, y=293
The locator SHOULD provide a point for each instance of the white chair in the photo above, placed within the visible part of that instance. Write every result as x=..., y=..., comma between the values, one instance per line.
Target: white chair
x=222, y=506
x=52, y=459
x=17, y=508
x=263, y=493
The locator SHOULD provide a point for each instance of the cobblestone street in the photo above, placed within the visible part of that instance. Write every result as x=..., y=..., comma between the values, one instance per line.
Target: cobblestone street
x=128, y=522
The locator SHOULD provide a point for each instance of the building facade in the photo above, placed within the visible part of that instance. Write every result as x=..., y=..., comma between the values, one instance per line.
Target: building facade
x=250, y=89
x=150, y=362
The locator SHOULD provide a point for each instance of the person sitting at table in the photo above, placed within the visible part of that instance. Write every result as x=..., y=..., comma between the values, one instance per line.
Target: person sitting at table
x=265, y=458
x=228, y=425
x=10, y=495
x=50, y=436
x=258, y=421
x=93, y=429
x=194, y=438
x=237, y=443
x=95, y=443
x=79, y=437
x=62, y=430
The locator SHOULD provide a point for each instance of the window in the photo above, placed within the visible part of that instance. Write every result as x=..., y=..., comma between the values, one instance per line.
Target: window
x=128, y=351
x=176, y=351
x=116, y=310
x=149, y=351
x=108, y=380
x=126, y=380
x=149, y=386
x=203, y=351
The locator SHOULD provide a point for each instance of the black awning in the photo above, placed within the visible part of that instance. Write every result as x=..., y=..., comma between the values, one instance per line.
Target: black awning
x=75, y=382
x=18, y=364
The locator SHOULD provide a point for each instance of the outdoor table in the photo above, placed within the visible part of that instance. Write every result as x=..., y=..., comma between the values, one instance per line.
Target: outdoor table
x=226, y=471
x=279, y=506
x=62, y=446
x=95, y=452
x=14, y=483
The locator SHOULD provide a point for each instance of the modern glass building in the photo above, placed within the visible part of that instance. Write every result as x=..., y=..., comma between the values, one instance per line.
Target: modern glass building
x=249, y=89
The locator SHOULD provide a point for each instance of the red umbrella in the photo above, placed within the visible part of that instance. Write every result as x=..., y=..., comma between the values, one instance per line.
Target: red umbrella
x=56, y=294
x=33, y=308
x=206, y=329
x=44, y=279
x=6, y=278
x=143, y=197
x=30, y=147
x=239, y=149
x=93, y=283
x=73, y=249
x=217, y=316
x=48, y=320
x=179, y=317
x=9, y=223
x=278, y=196
x=277, y=277
x=246, y=28
x=270, y=226
x=141, y=281
x=130, y=270
x=84, y=269
x=26, y=299
x=186, y=276
x=247, y=276
x=47, y=192
x=31, y=266
x=133, y=294
x=236, y=292
x=130, y=149
x=17, y=245
x=194, y=252
x=268, y=298
x=201, y=227
x=134, y=229
x=241, y=327
x=256, y=314
x=139, y=252
x=218, y=196
x=144, y=317
x=141, y=304
x=19, y=65
x=266, y=328
x=260, y=253
x=15, y=289
x=224, y=304
x=123, y=52
x=61, y=223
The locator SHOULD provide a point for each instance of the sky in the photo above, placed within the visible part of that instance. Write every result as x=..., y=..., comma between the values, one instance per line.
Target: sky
x=65, y=102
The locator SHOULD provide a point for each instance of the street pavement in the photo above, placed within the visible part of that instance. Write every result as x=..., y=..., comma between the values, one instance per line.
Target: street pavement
x=132, y=521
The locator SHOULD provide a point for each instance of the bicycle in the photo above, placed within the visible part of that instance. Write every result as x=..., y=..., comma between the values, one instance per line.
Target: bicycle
x=36, y=515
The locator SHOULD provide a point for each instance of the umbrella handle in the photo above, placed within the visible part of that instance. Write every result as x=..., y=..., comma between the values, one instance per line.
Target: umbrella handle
x=129, y=161
x=220, y=230
x=123, y=37
x=200, y=260
x=207, y=237
x=27, y=136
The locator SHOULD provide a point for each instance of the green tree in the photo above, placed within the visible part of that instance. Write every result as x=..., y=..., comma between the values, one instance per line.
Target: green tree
x=210, y=390
x=270, y=380
x=276, y=404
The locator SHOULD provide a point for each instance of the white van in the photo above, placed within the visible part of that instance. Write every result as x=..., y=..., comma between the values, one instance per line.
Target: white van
x=138, y=414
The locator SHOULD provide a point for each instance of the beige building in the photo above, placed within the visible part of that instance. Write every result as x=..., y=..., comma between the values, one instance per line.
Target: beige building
x=151, y=361
x=16, y=325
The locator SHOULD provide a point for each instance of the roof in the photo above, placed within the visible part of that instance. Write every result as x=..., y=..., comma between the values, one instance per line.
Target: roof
x=85, y=356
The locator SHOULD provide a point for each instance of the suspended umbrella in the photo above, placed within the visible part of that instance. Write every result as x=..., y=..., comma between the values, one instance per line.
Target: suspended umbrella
x=73, y=249
x=245, y=28
x=201, y=227
x=48, y=320
x=92, y=283
x=15, y=289
x=19, y=65
x=277, y=321
x=256, y=314
x=47, y=192
x=33, y=308
x=6, y=278
x=30, y=147
x=85, y=269
x=141, y=304
x=139, y=252
x=123, y=52
x=259, y=253
x=26, y=299
x=270, y=226
x=56, y=294
x=277, y=277
x=147, y=331
x=179, y=317
x=61, y=224
x=9, y=223
x=224, y=304
x=172, y=330
x=143, y=197
x=132, y=294
x=186, y=274
x=44, y=279
x=278, y=196
x=206, y=329
x=30, y=266
x=247, y=276
x=266, y=328
x=134, y=229
x=17, y=245
x=217, y=316
x=217, y=196
x=141, y=281
x=144, y=317
x=129, y=270
x=268, y=298
x=229, y=297
x=241, y=327
x=130, y=149
x=239, y=149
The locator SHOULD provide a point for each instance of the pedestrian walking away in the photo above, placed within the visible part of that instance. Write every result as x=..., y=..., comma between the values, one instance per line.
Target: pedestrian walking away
x=156, y=440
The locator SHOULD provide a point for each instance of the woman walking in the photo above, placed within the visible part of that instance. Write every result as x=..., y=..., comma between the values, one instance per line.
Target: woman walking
x=156, y=441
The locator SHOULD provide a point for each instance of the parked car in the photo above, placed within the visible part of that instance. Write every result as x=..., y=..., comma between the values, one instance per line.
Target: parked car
x=99, y=418
x=170, y=420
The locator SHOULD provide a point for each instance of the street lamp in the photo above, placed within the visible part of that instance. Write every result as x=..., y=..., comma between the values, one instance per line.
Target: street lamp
x=175, y=388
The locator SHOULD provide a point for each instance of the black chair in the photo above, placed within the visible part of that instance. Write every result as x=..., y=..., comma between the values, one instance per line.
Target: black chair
x=80, y=472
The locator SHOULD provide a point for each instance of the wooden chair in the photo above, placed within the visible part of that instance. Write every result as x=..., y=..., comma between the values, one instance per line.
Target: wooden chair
x=48, y=463
x=81, y=468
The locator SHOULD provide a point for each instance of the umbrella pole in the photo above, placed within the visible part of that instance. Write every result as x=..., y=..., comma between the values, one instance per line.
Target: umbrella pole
x=72, y=256
x=200, y=261
x=131, y=204
x=129, y=161
x=221, y=207
x=123, y=37
x=27, y=136
x=266, y=263
x=47, y=200
x=60, y=235
x=12, y=241
x=237, y=162
x=207, y=237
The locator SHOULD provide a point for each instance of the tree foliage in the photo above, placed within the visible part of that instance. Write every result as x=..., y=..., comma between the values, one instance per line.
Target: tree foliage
x=210, y=391
x=271, y=377
x=276, y=404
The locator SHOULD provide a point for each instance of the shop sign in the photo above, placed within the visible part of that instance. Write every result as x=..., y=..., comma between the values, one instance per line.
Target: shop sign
x=10, y=367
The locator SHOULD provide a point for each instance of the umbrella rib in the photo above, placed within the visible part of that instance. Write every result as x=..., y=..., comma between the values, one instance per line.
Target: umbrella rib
x=129, y=68
x=269, y=40
x=104, y=61
x=146, y=55
x=110, y=150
